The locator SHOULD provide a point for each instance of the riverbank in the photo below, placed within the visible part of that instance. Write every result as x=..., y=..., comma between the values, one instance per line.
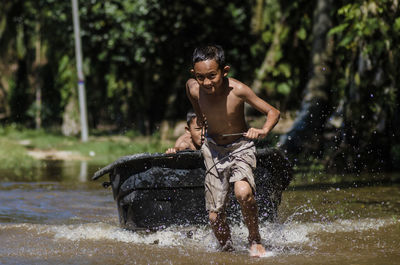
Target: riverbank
x=24, y=148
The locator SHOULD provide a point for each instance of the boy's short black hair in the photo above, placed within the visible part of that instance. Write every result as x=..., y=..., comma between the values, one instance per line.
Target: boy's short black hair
x=209, y=52
x=189, y=117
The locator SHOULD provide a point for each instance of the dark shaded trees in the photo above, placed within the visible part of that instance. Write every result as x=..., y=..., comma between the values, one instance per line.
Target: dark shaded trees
x=366, y=85
x=349, y=107
x=335, y=63
x=137, y=57
x=308, y=127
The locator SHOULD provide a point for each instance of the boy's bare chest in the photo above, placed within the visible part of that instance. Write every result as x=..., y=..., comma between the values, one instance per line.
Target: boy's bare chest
x=222, y=110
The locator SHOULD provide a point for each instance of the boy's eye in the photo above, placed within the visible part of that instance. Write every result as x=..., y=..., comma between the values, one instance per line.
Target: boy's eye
x=200, y=77
x=212, y=76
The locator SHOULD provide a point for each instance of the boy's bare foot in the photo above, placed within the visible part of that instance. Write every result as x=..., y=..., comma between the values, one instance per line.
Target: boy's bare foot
x=228, y=247
x=257, y=250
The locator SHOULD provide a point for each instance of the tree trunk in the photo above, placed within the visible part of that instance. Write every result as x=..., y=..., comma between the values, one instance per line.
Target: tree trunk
x=308, y=127
x=71, y=121
x=4, y=90
x=256, y=23
x=38, y=84
x=270, y=58
x=268, y=63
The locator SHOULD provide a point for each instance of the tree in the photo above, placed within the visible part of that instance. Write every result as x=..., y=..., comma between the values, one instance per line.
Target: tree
x=306, y=132
x=367, y=38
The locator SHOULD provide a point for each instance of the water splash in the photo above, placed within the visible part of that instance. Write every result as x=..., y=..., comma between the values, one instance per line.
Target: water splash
x=288, y=238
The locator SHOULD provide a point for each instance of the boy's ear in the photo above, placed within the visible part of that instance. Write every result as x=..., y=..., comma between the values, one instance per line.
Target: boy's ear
x=187, y=129
x=192, y=71
x=225, y=70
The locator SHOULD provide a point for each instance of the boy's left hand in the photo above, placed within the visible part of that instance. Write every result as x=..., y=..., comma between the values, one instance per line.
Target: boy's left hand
x=254, y=133
x=171, y=150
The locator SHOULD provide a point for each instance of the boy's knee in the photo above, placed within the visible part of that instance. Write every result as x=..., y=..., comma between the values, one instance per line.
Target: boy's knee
x=243, y=192
x=244, y=196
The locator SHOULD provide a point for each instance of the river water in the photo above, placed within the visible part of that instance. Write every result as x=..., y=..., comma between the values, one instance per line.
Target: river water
x=56, y=215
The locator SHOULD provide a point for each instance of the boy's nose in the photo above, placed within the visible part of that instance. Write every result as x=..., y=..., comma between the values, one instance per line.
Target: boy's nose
x=207, y=81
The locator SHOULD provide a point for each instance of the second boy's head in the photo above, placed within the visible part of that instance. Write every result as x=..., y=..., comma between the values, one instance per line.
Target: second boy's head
x=193, y=129
x=209, y=67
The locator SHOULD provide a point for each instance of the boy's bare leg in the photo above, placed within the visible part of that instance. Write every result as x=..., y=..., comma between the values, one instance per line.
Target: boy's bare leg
x=221, y=229
x=245, y=196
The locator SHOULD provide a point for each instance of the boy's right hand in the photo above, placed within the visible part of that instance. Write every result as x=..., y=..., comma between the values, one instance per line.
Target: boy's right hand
x=254, y=133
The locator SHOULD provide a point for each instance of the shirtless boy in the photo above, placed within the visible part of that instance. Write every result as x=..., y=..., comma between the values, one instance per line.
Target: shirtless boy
x=191, y=139
x=219, y=104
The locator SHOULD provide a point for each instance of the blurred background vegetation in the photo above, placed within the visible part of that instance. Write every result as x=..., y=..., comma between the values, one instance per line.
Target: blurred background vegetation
x=333, y=66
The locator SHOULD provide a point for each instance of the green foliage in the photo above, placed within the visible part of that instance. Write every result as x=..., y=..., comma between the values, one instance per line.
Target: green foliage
x=65, y=79
x=366, y=36
x=144, y=50
x=283, y=88
x=285, y=33
x=136, y=55
x=32, y=26
x=137, y=58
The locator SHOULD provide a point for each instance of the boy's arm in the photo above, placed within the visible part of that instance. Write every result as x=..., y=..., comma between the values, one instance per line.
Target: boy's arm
x=180, y=144
x=192, y=92
x=271, y=113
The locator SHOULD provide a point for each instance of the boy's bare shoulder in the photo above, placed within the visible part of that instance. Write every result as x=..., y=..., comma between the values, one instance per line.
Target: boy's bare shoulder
x=183, y=142
x=238, y=88
x=192, y=86
x=192, y=83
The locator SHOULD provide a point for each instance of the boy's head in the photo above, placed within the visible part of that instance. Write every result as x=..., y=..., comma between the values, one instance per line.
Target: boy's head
x=190, y=117
x=209, y=52
x=209, y=67
x=193, y=129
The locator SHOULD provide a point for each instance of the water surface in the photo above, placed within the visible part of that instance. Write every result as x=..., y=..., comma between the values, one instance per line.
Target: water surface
x=58, y=216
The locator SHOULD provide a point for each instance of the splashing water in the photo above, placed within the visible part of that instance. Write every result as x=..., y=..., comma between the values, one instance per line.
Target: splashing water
x=289, y=238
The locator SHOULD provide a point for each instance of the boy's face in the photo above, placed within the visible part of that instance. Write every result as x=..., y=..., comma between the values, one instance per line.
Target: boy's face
x=209, y=75
x=195, y=132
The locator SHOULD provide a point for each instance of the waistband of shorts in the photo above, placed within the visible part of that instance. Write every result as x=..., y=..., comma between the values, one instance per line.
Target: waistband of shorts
x=241, y=139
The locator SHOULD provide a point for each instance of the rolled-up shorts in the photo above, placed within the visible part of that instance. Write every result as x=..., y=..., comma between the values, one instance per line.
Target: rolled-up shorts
x=226, y=164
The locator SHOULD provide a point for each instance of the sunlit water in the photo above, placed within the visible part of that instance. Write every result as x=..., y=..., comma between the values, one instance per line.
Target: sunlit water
x=70, y=221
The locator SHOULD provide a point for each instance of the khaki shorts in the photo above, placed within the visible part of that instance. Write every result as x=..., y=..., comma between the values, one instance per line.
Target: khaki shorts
x=226, y=164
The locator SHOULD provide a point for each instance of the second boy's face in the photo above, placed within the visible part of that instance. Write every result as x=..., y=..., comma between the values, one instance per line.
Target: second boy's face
x=195, y=133
x=209, y=75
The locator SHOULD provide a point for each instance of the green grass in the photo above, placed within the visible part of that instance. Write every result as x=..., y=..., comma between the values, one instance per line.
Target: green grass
x=13, y=155
x=16, y=142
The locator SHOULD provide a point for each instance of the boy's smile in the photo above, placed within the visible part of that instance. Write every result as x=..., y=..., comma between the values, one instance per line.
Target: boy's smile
x=209, y=75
